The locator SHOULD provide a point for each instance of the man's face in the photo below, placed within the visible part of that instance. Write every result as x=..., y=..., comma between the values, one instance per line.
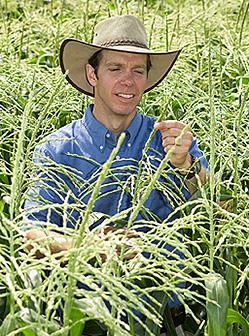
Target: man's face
x=119, y=83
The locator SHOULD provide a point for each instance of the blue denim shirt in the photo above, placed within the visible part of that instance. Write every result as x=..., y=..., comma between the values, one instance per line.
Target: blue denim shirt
x=72, y=159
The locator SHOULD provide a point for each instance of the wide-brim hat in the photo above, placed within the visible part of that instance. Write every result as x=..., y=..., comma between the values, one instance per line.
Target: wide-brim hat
x=120, y=33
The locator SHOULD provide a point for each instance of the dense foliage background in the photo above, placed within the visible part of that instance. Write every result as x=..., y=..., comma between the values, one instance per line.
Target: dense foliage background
x=208, y=88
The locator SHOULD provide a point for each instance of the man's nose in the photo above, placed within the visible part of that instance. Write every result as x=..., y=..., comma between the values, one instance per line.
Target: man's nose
x=127, y=79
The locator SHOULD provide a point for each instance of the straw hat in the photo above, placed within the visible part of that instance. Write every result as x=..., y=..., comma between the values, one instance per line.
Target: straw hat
x=120, y=33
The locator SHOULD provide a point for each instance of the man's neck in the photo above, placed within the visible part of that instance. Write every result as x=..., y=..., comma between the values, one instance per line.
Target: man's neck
x=115, y=123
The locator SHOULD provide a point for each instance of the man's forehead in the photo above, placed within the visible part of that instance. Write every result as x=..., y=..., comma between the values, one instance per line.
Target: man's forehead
x=114, y=56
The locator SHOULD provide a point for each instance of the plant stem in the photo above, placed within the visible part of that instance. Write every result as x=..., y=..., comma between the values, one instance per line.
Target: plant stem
x=82, y=229
x=18, y=169
x=243, y=22
x=41, y=117
x=57, y=36
x=212, y=161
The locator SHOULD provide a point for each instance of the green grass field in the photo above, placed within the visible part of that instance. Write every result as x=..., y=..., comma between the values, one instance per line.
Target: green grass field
x=207, y=88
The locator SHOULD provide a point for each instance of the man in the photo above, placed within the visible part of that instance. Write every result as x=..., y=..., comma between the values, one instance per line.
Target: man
x=116, y=69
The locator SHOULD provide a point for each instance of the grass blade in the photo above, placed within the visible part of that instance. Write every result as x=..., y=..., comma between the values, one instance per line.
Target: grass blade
x=235, y=317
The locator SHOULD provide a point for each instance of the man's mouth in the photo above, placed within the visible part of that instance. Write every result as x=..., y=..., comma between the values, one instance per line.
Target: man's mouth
x=125, y=95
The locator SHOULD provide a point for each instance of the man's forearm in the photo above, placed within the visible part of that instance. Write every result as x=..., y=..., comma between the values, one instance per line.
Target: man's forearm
x=193, y=183
x=198, y=179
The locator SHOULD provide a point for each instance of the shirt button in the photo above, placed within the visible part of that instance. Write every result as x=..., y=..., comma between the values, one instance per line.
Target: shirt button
x=129, y=144
x=108, y=135
x=117, y=157
x=101, y=147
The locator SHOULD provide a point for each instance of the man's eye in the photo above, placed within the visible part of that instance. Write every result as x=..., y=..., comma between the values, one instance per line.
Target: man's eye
x=140, y=72
x=114, y=69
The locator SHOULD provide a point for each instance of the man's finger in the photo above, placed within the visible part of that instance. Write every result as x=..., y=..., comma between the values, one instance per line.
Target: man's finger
x=175, y=132
x=171, y=141
x=167, y=124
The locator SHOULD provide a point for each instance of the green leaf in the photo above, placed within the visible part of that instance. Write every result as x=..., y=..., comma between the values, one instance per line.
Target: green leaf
x=217, y=305
x=29, y=316
x=28, y=331
x=4, y=178
x=164, y=311
x=245, y=80
x=235, y=317
x=225, y=194
x=9, y=324
x=76, y=317
x=1, y=205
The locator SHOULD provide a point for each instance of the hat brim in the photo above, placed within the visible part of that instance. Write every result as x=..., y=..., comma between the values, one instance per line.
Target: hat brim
x=74, y=55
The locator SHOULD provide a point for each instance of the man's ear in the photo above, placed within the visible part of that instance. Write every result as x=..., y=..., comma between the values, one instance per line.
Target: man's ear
x=91, y=75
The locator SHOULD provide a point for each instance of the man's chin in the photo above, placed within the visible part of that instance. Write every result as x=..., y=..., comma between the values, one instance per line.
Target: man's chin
x=125, y=112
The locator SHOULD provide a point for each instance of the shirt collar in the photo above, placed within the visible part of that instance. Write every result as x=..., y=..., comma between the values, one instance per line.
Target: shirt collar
x=98, y=131
x=134, y=127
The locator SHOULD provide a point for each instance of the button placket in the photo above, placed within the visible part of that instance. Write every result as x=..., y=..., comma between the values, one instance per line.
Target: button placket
x=128, y=137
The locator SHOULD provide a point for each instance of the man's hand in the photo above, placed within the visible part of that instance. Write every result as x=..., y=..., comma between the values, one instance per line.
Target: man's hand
x=57, y=242
x=124, y=241
x=179, y=134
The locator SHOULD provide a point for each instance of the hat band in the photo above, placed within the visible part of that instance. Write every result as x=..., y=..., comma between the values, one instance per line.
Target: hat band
x=124, y=43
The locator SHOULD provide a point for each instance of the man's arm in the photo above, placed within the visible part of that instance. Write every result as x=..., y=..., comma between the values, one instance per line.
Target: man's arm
x=178, y=134
x=58, y=242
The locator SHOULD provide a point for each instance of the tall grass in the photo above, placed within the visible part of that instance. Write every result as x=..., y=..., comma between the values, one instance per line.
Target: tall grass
x=208, y=88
